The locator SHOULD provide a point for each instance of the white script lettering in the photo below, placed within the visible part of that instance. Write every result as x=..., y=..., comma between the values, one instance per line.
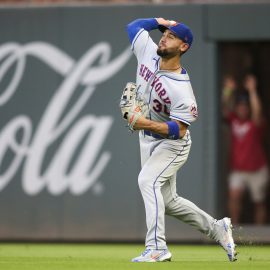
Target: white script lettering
x=61, y=125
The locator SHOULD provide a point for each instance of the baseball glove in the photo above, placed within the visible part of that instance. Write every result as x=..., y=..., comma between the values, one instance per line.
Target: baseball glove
x=132, y=105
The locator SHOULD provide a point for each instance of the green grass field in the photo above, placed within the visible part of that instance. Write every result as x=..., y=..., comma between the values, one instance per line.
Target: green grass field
x=116, y=256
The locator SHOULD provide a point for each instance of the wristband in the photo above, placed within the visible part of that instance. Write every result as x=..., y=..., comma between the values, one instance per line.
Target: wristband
x=173, y=133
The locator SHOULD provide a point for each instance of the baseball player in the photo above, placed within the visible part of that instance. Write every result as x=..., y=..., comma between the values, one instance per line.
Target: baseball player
x=165, y=140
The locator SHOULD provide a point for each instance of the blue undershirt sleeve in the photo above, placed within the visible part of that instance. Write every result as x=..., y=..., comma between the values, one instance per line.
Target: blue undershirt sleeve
x=134, y=27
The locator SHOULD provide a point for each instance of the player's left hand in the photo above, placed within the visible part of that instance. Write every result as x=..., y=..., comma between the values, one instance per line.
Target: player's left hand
x=132, y=105
x=134, y=115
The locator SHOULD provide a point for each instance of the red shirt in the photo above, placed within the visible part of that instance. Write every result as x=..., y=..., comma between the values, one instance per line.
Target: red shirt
x=246, y=145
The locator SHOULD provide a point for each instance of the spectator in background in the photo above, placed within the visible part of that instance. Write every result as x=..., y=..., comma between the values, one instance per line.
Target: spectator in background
x=243, y=112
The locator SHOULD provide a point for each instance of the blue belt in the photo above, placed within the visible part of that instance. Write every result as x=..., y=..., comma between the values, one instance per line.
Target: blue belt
x=154, y=135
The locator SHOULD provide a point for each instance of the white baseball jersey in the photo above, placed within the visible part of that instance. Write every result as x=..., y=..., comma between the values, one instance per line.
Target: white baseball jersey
x=169, y=95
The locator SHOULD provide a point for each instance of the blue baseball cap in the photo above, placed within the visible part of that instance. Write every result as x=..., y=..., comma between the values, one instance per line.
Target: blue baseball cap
x=181, y=30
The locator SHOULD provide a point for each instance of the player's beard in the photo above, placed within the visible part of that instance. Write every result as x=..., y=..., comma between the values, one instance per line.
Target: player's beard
x=165, y=53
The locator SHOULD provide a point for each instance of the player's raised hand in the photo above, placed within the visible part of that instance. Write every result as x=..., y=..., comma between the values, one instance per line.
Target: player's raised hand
x=165, y=22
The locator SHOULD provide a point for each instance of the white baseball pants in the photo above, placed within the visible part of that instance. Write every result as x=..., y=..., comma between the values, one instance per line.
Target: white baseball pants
x=161, y=159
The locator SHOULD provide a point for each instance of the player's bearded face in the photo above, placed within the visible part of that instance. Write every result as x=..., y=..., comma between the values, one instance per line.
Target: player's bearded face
x=169, y=45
